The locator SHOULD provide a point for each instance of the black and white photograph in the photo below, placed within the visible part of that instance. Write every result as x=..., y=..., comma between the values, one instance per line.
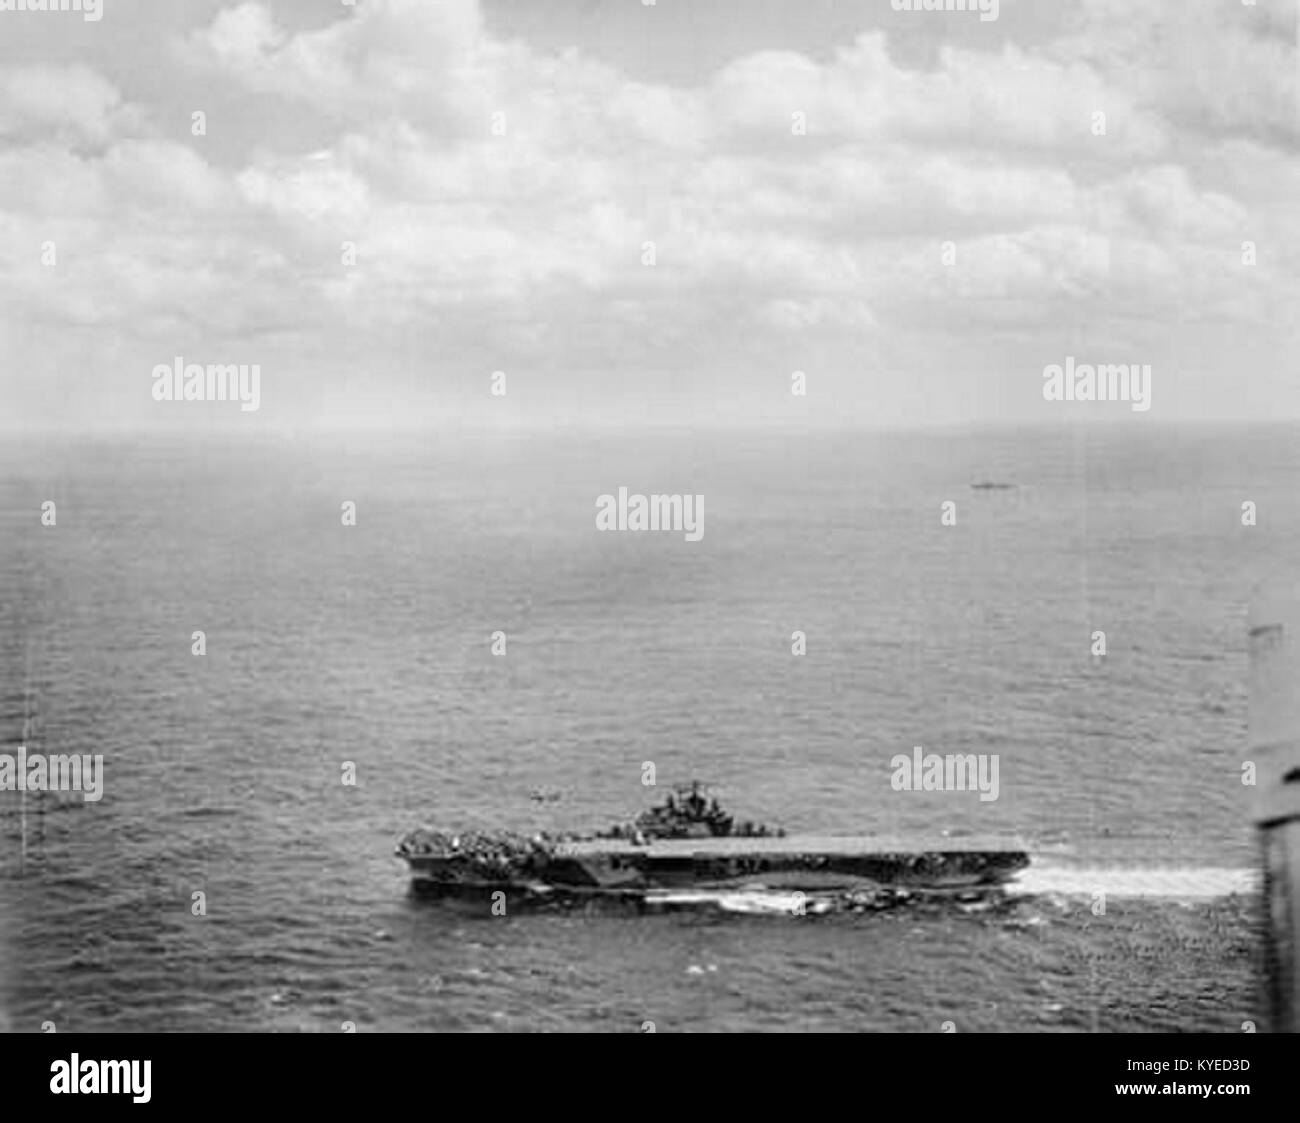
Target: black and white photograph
x=649, y=516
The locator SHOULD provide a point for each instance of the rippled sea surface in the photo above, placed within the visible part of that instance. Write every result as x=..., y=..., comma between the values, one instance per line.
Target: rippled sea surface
x=370, y=644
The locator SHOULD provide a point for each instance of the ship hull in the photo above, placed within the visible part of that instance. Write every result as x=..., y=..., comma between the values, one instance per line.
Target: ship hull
x=618, y=870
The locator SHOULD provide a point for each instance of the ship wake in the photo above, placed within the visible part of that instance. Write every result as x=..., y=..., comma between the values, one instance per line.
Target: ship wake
x=1179, y=883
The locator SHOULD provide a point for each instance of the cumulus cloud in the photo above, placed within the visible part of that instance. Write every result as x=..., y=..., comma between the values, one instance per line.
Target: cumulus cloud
x=61, y=104
x=383, y=55
x=592, y=165
x=534, y=234
x=1203, y=66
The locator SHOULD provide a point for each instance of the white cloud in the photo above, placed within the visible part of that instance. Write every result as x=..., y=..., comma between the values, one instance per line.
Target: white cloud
x=66, y=104
x=536, y=236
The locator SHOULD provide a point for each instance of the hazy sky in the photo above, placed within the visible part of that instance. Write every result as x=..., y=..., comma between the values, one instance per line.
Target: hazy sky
x=628, y=123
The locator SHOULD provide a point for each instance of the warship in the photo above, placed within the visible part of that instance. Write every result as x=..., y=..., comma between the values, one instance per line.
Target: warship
x=689, y=851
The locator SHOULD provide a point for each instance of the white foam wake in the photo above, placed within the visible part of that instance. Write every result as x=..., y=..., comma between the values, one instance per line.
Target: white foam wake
x=745, y=900
x=1187, y=883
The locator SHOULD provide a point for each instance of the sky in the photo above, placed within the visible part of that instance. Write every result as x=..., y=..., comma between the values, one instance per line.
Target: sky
x=918, y=210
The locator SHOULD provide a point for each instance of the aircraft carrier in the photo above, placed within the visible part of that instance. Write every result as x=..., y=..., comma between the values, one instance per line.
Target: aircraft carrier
x=688, y=852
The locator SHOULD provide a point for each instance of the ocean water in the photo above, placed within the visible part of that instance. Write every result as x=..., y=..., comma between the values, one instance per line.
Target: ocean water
x=370, y=644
